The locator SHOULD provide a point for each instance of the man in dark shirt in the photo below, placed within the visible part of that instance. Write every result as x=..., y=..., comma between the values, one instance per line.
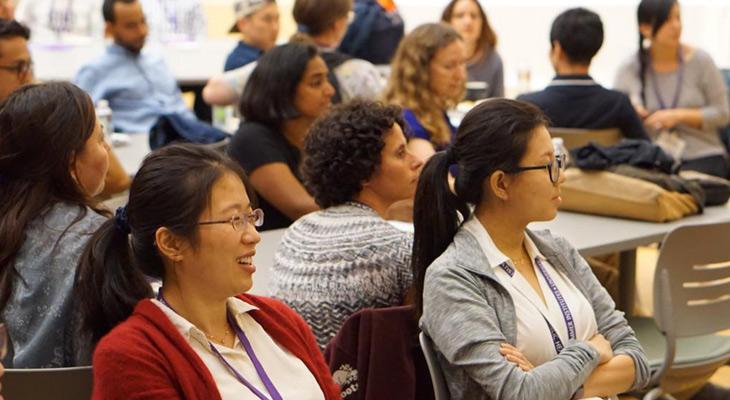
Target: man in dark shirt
x=573, y=99
x=258, y=23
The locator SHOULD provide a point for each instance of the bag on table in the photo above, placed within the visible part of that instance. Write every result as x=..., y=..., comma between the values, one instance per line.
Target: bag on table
x=609, y=194
x=717, y=190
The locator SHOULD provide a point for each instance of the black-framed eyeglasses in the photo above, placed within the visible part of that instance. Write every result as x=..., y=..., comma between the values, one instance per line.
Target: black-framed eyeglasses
x=553, y=168
x=21, y=69
x=238, y=222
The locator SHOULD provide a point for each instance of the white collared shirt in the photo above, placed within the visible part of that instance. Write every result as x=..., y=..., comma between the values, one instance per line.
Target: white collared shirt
x=534, y=340
x=288, y=373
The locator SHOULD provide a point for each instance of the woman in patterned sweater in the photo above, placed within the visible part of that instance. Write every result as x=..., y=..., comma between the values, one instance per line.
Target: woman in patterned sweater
x=346, y=257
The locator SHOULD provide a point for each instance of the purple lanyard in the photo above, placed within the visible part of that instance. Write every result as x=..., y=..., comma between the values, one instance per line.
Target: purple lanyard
x=680, y=79
x=564, y=309
x=251, y=354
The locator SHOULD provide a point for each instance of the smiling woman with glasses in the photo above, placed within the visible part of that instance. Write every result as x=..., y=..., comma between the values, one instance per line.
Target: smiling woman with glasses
x=191, y=223
x=533, y=321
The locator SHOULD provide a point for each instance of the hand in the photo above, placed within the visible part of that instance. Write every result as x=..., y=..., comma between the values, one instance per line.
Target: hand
x=643, y=112
x=663, y=119
x=514, y=356
x=603, y=347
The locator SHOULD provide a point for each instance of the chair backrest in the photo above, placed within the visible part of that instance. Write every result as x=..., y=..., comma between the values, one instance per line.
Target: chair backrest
x=573, y=137
x=440, y=389
x=692, y=281
x=72, y=383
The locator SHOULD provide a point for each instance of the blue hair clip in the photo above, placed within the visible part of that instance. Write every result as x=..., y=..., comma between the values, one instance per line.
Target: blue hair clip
x=120, y=220
x=302, y=28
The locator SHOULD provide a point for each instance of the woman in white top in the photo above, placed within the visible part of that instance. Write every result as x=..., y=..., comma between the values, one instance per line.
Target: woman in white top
x=191, y=222
x=514, y=314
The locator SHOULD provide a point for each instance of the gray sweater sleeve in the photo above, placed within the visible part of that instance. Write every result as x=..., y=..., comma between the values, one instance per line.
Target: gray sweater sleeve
x=611, y=322
x=716, y=113
x=464, y=328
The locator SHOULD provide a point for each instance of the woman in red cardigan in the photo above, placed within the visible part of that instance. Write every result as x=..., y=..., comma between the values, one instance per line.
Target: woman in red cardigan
x=191, y=222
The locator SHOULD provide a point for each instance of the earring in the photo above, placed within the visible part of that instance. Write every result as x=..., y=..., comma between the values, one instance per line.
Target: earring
x=646, y=43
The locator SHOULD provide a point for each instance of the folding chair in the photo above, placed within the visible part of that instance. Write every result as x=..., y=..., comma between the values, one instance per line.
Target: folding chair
x=691, y=300
x=72, y=383
x=440, y=389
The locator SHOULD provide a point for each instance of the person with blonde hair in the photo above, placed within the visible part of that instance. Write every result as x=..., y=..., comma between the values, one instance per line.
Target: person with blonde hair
x=428, y=76
x=484, y=65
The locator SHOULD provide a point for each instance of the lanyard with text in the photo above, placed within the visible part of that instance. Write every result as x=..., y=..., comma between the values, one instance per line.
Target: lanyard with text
x=564, y=309
x=251, y=354
x=680, y=79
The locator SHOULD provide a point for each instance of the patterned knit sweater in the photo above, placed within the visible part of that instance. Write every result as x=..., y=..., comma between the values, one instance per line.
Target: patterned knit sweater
x=334, y=262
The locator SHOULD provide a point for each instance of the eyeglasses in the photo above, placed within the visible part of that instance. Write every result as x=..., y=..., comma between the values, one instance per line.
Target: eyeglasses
x=238, y=222
x=21, y=69
x=553, y=168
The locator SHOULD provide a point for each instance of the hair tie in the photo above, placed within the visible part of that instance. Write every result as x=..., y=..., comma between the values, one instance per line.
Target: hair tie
x=451, y=155
x=120, y=220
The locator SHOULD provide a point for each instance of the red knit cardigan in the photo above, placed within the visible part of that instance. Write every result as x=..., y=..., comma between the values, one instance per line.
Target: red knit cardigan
x=145, y=357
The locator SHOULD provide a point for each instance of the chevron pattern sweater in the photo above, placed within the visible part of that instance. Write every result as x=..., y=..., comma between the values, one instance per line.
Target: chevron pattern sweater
x=334, y=262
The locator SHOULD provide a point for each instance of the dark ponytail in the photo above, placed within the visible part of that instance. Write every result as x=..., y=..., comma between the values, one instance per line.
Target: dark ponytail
x=108, y=284
x=655, y=13
x=171, y=189
x=492, y=136
x=435, y=217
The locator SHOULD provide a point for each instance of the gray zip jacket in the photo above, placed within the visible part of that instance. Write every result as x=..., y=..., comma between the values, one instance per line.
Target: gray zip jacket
x=468, y=313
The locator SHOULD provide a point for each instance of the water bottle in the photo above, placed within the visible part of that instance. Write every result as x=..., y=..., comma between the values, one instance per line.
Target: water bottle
x=560, y=149
x=104, y=115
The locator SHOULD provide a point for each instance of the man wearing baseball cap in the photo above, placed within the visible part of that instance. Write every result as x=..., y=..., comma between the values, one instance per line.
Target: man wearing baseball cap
x=258, y=22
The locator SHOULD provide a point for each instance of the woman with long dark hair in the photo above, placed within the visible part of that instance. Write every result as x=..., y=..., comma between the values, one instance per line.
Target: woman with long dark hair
x=191, y=223
x=484, y=65
x=514, y=313
x=53, y=161
x=677, y=89
x=287, y=91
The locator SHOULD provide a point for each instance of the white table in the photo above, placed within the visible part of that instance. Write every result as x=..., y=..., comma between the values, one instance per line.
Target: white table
x=132, y=153
x=192, y=63
x=595, y=235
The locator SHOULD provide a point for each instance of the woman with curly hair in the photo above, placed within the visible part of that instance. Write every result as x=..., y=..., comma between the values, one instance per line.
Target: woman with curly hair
x=346, y=257
x=484, y=65
x=427, y=77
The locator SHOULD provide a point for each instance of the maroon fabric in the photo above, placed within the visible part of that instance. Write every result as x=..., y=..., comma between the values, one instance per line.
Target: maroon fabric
x=145, y=357
x=376, y=355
